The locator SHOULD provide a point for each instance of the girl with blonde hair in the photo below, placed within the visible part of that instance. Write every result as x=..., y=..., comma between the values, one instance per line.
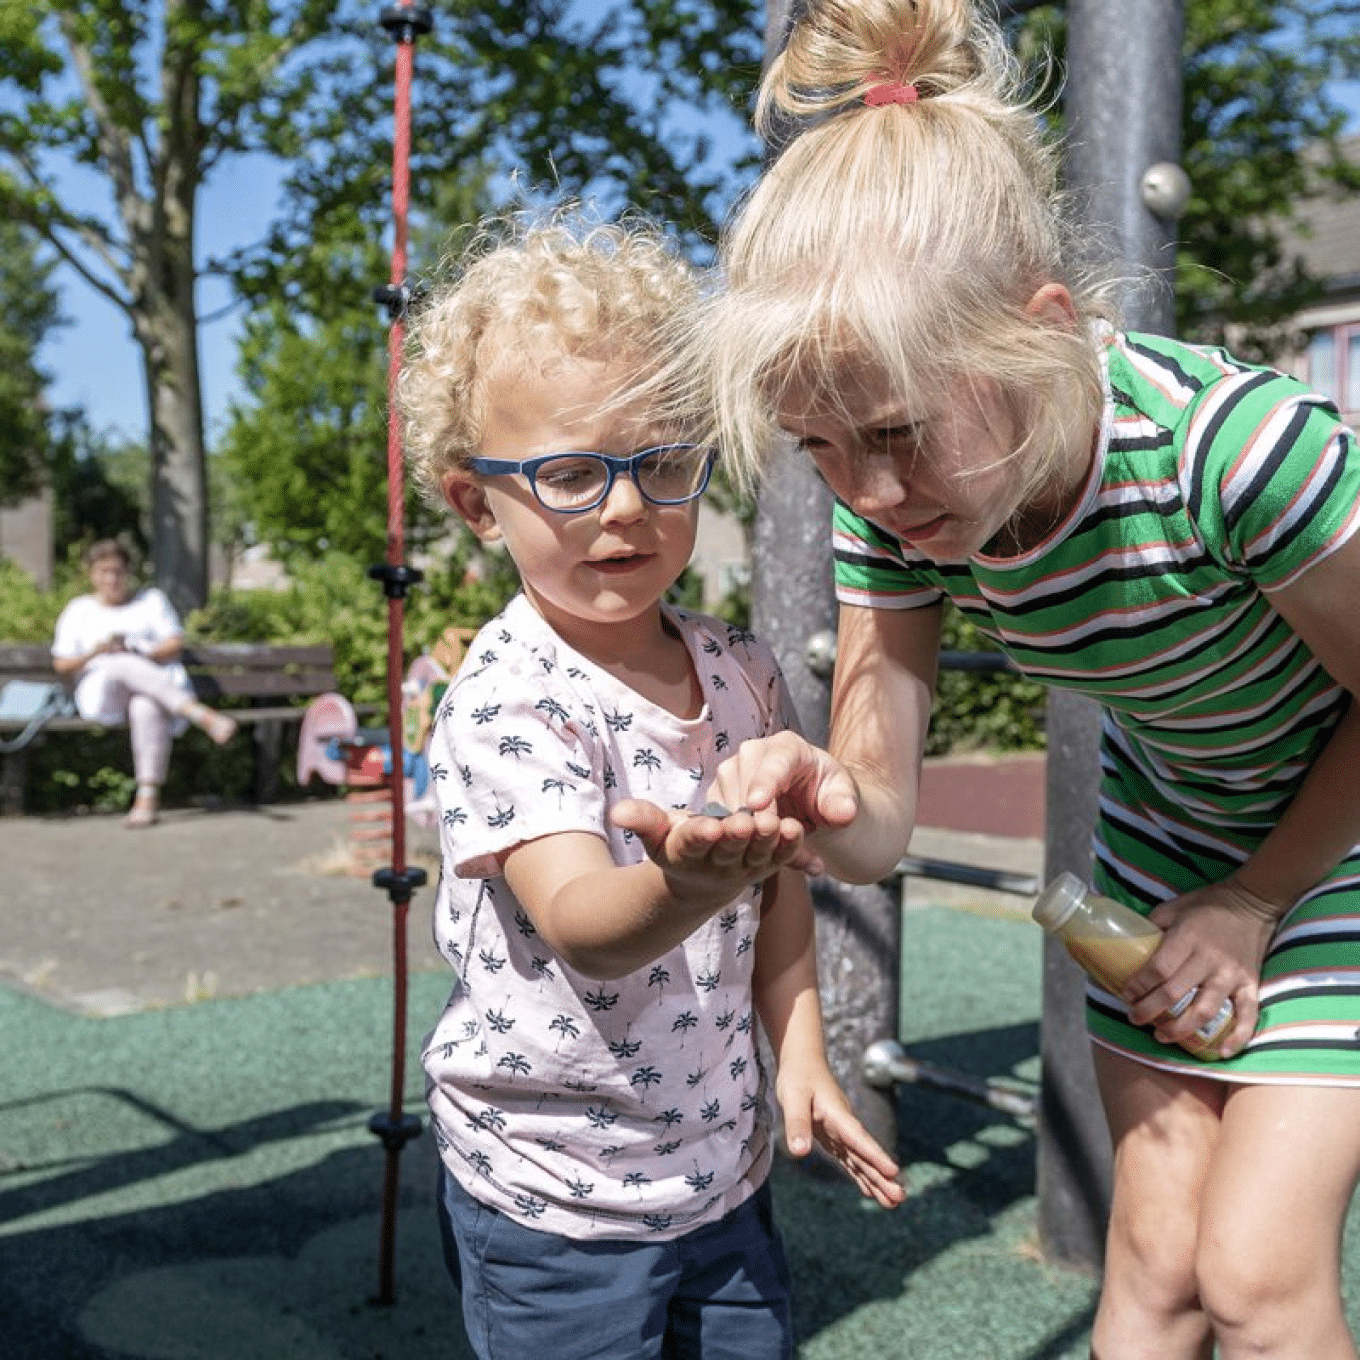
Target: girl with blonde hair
x=1155, y=524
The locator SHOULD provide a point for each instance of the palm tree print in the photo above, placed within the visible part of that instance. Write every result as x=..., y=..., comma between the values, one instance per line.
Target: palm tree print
x=565, y=1027
x=531, y=1206
x=581, y=1189
x=646, y=759
x=502, y=817
x=635, y=1180
x=667, y=1149
x=514, y=746
x=600, y=1000
x=500, y=1022
x=600, y=1117
x=658, y=978
x=486, y=714
x=669, y=1118
x=553, y=709
x=454, y=817
x=516, y=1063
x=699, y=1180
x=683, y=1023
x=618, y=722
x=710, y=1110
x=645, y=1077
x=623, y=1049
x=487, y=1120
x=559, y=787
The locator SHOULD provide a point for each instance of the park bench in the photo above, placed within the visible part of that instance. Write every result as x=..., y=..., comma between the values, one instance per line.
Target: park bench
x=258, y=682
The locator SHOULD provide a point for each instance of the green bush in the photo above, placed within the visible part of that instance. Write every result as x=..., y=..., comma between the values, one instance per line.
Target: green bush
x=982, y=711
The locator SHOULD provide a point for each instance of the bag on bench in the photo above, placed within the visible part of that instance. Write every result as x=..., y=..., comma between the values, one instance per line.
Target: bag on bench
x=33, y=703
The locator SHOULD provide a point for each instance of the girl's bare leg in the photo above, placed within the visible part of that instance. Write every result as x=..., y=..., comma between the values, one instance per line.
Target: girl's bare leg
x=1273, y=1211
x=1165, y=1129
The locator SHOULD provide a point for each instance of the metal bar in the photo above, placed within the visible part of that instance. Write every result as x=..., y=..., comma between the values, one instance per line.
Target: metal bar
x=973, y=875
x=886, y=1064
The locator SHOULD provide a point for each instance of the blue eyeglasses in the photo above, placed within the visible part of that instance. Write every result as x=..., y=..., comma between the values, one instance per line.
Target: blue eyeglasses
x=570, y=483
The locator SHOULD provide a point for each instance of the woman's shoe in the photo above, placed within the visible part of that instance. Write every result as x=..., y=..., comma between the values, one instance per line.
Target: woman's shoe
x=145, y=812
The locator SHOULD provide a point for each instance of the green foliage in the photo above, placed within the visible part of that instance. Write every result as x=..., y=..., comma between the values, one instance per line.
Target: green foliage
x=982, y=711
x=101, y=488
x=28, y=314
x=334, y=600
x=28, y=614
x=1260, y=134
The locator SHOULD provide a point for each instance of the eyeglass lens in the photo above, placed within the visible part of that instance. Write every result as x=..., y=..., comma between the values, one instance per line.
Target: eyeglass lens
x=577, y=481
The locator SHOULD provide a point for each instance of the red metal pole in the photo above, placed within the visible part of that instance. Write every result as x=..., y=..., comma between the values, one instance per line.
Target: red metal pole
x=405, y=23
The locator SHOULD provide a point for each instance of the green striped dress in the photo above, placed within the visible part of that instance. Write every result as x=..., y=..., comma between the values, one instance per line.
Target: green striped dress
x=1215, y=483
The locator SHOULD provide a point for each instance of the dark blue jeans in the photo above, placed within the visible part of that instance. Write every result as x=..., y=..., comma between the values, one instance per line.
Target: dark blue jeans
x=720, y=1292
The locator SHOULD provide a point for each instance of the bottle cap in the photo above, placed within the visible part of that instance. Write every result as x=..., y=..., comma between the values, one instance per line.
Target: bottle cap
x=1058, y=901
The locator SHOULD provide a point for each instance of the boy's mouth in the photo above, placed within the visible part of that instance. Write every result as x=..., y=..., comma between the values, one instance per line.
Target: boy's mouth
x=620, y=563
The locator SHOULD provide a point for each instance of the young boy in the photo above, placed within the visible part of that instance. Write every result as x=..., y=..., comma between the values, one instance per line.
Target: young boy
x=597, y=1089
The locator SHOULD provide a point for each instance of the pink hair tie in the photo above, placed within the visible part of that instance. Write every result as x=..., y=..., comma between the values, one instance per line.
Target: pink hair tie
x=890, y=92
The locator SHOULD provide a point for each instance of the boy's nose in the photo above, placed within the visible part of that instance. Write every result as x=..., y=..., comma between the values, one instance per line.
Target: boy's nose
x=624, y=502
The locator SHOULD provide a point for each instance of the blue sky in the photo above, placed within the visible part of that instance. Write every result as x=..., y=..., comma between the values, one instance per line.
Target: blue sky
x=94, y=363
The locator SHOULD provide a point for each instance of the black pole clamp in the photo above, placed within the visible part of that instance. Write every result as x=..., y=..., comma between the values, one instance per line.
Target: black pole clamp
x=406, y=23
x=395, y=1133
x=397, y=580
x=400, y=887
x=395, y=298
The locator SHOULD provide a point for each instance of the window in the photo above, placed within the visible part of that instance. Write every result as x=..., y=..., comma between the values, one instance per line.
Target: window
x=1334, y=364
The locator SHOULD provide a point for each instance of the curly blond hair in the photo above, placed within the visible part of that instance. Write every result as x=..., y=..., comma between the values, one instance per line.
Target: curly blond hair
x=525, y=293
x=905, y=238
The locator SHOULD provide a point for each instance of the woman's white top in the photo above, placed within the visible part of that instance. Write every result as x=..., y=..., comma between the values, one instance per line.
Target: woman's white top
x=145, y=621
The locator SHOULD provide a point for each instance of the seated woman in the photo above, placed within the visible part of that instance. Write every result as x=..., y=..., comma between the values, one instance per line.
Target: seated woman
x=123, y=647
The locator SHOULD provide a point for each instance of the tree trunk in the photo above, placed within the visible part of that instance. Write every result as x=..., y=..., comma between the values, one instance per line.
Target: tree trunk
x=168, y=336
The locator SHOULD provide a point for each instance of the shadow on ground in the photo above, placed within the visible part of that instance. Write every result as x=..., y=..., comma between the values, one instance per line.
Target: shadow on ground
x=131, y=1226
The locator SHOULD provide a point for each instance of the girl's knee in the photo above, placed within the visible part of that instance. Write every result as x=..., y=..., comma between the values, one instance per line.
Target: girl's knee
x=1253, y=1294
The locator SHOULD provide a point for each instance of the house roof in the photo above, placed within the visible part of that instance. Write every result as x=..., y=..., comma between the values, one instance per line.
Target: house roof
x=1330, y=247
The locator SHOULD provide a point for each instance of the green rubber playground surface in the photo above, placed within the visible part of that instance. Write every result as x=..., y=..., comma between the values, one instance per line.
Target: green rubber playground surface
x=198, y=1182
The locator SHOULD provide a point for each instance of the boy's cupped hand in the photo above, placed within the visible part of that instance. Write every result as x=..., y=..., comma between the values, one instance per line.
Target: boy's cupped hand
x=712, y=855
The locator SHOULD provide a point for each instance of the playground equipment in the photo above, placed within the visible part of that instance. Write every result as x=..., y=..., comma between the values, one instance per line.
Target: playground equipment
x=394, y=1127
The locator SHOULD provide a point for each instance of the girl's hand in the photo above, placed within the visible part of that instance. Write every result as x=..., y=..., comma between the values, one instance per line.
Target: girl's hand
x=707, y=857
x=1216, y=939
x=815, y=1108
x=787, y=772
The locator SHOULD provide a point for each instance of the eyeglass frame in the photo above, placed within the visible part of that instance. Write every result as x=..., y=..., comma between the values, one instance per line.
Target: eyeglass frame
x=528, y=468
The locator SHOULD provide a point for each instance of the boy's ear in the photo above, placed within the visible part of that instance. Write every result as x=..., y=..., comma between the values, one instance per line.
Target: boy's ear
x=468, y=498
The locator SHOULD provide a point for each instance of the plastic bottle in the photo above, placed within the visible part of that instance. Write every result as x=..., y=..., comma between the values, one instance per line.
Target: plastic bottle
x=1112, y=942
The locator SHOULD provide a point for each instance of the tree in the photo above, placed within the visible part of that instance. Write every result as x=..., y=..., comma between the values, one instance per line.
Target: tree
x=1260, y=135
x=150, y=96
x=28, y=313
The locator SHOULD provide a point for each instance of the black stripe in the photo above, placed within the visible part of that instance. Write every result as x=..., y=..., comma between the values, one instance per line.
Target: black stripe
x=1210, y=434
x=1303, y=522
x=1278, y=456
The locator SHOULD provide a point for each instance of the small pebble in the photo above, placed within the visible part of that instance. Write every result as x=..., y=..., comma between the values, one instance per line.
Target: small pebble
x=715, y=810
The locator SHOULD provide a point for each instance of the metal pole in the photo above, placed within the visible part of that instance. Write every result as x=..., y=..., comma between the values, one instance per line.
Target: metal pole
x=394, y=1127
x=1123, y=112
